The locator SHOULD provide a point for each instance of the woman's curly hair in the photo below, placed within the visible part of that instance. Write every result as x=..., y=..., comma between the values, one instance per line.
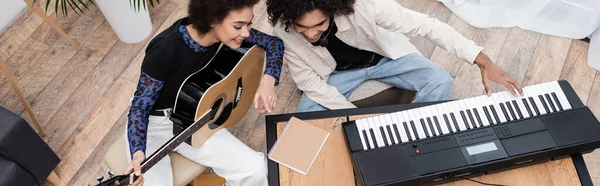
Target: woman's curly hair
x=204, y=13
x=288, y=11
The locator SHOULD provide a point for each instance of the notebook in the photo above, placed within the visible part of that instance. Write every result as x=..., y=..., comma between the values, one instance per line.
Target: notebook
x=298, y=145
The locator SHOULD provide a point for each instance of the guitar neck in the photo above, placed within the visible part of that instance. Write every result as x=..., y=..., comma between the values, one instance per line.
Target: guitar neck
x=176, y=141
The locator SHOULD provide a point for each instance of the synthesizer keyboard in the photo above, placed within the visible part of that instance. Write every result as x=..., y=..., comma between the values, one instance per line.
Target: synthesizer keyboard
x=462, y=138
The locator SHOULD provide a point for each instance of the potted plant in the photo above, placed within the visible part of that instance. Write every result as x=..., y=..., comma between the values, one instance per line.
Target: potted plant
x=130, y=20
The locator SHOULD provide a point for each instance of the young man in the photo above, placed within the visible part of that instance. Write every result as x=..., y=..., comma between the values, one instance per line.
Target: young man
x=171, y=57
x=333, y=46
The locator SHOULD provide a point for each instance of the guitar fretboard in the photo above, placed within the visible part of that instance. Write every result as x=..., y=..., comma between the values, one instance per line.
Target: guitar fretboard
x=176, y=141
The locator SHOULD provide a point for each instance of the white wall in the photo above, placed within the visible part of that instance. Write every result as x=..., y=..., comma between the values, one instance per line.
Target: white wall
x=10, y=10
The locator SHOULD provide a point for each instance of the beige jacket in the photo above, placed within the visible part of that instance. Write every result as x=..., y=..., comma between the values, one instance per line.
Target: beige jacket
x=376, y=25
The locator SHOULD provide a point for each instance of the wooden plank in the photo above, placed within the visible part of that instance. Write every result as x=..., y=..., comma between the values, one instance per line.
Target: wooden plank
x=64, y=122
x=52, y=23
x=467, y=82
x=516, y=54
x=21, y=61
x=333, y=165
x=208, y=180
x=548, y=60
x=94, y=165
x=46, y=34
x=447, y=60
x=75, y=151
x=293, y=104
x=437, y=10
x=103, y=39
x=576, y=70
x=19, y=32
x=60, y=53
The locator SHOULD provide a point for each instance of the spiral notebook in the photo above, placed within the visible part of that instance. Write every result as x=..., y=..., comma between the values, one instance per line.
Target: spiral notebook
x=298, y=145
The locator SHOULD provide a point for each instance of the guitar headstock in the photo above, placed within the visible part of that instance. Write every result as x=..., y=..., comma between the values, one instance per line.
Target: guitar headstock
x=115, y=180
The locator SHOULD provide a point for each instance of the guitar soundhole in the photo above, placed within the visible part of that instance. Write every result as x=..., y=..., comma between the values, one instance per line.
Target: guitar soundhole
x=224, y=114
x=216, y=106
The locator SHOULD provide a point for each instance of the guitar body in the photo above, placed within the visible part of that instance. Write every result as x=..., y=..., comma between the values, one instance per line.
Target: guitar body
x=227, y=85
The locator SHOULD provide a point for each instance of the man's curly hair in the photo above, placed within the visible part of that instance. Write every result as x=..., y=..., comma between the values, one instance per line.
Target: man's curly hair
x=288, y=11
x=204, y=13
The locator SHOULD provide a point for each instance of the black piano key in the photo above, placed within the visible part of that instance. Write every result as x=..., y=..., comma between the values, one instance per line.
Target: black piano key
x=478, y=117
x=391, y=134
x=464, y=118
x=448, y=123
x=544, y=103
x=397, y=133
x=407, y=131
x=535, y=108
x=364, y=132
x=374, y=138
x=557, y=102
x=511, y=110
x=454, y=121
x=487, y=114
x=518, y=109
x=505, y=112
x=472, y=119
x=495, y=113
x=414, y=128
x=527, y=106
x=424, y=127
x=550, y=102
x=437, y=124
x=385, y=137
x=431, y=126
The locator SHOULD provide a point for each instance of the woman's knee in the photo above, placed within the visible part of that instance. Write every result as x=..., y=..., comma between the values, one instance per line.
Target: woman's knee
x=440, y=78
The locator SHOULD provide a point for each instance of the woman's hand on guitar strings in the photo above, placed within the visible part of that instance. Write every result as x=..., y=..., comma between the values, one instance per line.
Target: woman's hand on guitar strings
x=266, y=93
x=136, y=161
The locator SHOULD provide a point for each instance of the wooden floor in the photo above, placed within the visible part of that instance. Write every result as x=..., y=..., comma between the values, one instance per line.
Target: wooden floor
x=81, y=97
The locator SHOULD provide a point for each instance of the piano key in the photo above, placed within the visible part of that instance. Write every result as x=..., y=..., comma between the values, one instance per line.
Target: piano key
x=488, y=115
x=534, y=105
x=538, y=102
x=373, y=136
x=517, y=109
x=443, y=110
x=414, y=120
x=362, y=133
x=527, y=106
x=436, y=115
x=429, y=114
x=431, y=126
x=420, y=119
x=480, y=103
x=551, y=102
x=461, y=123
x=415, y=130
x=544, y=103
x=560, y=94
x=375, y=128
x=387, y=138
x=390, y=124
x=505, y=111
x=461, y=109
x=496, y=109
x=547, y=94
x=397, y=131
x=555, y=98
x=522, y=110
x=408, y=127
x=398, y=124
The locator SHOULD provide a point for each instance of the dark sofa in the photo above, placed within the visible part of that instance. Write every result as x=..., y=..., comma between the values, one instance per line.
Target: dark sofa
x=25, y=158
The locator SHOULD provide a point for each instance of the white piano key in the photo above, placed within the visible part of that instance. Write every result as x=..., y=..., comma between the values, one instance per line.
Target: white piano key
x=530, y=93
x=497, y=100
x=375, y=127
x=540, y=105
x=403, y=136
x=548, y=90
x=440, y=119
x=510, y=109
x=423, y=117
x=446, y=109
x=405, y=120
x=360, y=128
x=414, y=116
x=522, y=106
x=390, y=123
x=475, y=105
x=368, y=126
x=561, y=95
x=380, y=125
x=431, y=113
x=455, y=109
x=385, y=136
x=387, y=123
x=489, y=102
x=480, y=103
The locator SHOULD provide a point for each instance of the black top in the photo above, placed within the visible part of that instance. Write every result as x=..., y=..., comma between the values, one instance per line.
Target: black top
x=170, y=58
x=347, y=57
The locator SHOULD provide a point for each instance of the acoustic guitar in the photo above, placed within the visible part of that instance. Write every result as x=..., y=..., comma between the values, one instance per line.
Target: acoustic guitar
x=219, y=95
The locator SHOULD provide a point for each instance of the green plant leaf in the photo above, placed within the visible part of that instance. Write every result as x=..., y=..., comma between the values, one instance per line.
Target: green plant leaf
x=84, y=5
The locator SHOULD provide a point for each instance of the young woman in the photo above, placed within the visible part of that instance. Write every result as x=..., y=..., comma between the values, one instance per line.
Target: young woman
x=173, y=55
x=333, y=46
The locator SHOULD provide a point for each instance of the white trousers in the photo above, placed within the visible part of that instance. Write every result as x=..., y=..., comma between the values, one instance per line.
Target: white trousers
x=228, y=156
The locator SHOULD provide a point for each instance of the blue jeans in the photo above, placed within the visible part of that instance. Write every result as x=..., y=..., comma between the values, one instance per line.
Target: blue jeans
x=410, y=72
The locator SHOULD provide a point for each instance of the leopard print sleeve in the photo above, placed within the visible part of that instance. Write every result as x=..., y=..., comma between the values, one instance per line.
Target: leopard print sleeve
x=273, y=47
x=143, y=100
